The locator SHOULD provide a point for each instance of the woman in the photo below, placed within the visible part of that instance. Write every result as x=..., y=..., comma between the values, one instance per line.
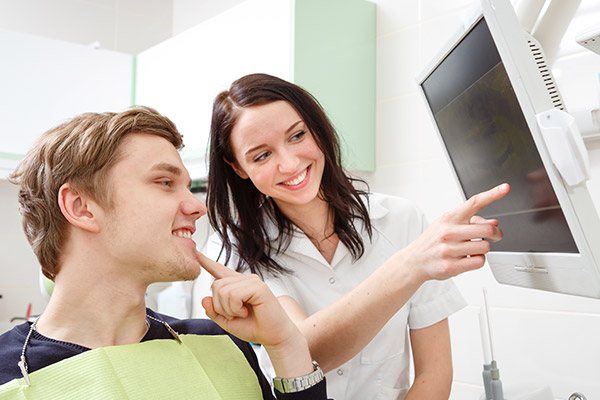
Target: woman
x=351, y=269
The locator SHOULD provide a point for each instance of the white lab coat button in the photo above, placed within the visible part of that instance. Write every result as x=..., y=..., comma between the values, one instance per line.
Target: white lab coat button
x=332, y=280
x=340, y=372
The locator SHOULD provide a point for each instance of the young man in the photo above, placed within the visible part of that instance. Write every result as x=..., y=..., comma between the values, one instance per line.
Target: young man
x=107, y=208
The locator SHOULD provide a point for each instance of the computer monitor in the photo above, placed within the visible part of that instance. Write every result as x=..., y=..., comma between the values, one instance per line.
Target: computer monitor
x=484, y=91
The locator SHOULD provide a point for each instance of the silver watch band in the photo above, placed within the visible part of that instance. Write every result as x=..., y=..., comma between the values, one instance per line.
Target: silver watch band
x=293, y=385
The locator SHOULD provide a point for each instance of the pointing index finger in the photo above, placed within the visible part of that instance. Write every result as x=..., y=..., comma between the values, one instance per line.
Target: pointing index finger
x=479, y=201
x=214, y=268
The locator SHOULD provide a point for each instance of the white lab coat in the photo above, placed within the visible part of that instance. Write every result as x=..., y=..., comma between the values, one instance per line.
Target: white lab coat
x=381, y=369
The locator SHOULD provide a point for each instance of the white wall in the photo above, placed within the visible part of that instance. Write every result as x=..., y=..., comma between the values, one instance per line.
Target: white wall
x=128, y=26
x=19, y=269
x=37, y=70
x=185, y=89
x=543, y=337
x=189, y=13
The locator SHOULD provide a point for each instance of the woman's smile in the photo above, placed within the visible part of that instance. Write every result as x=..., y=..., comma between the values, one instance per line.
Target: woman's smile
x=299, y=181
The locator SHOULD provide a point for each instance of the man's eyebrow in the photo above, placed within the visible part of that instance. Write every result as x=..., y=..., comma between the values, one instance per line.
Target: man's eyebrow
x=163, y=166
x=288, y=130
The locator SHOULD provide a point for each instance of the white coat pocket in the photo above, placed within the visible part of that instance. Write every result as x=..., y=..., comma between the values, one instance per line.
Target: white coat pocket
x=390, y=342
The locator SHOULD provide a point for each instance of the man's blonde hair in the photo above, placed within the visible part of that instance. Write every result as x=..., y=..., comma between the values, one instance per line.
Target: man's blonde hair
x=81, y=152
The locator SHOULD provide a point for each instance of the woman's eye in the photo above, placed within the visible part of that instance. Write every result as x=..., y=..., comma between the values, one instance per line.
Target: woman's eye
x=262, y=156
x=166, y=183
x=297, y=136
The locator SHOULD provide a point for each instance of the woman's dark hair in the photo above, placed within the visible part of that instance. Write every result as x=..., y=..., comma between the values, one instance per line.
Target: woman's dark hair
x=238, y=211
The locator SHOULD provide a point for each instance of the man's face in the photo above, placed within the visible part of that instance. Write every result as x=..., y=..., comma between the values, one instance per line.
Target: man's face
x=148, y=229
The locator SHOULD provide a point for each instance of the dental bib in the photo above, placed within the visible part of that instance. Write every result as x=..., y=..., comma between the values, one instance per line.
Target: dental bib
x=200, y=367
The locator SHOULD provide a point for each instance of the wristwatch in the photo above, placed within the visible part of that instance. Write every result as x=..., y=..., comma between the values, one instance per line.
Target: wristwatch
x=293, y=385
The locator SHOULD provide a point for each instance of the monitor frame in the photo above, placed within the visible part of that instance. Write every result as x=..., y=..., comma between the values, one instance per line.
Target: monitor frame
x=569, y=273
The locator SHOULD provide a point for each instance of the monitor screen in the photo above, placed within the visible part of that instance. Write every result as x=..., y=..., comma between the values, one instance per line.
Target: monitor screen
x=488, y=141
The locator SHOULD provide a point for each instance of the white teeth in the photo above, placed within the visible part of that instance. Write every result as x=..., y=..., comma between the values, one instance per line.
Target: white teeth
x=299, y=179
x=183, y=233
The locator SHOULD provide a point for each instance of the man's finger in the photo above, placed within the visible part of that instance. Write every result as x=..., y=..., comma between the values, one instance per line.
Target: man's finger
x=479, y=201
x=214, y=268
x=211, y=313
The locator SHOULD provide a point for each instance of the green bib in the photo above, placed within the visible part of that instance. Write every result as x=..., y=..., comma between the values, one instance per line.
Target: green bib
x=201, y=367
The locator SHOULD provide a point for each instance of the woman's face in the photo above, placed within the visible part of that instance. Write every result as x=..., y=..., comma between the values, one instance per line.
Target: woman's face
x=274, y=149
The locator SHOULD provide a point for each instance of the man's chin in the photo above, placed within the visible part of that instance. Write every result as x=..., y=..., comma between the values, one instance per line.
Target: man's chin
x=186, y=275
x=191, y=273
x=184, y=271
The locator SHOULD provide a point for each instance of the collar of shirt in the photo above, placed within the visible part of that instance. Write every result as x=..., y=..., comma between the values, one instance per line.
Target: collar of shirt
x=301, y=244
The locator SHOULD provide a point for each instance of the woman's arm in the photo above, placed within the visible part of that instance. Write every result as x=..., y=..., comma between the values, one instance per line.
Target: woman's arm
x=433, y=362
x=338, y=332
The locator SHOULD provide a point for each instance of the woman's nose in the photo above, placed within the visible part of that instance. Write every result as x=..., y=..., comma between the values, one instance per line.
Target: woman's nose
x=288, y=162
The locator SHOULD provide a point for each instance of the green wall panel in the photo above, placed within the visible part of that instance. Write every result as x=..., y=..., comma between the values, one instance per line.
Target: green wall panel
x=334, y=59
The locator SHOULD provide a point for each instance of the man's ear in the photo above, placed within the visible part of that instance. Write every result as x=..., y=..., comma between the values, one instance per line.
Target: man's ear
x=78, y=208
x=238, y=170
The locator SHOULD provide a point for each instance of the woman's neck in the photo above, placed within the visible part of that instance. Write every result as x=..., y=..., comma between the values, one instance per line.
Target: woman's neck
x=316, y=220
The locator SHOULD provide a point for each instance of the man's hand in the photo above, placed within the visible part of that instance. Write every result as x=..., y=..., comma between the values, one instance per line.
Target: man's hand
x=458, y=241
x=244, y=306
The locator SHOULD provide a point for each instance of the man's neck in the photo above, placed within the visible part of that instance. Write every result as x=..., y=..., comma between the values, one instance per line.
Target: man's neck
x=94, y=311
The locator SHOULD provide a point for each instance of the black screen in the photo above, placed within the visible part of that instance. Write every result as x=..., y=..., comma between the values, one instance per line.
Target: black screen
x=488, y=140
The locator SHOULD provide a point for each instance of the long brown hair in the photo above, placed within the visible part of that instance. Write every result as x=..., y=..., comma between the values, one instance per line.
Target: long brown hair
x=238, y=211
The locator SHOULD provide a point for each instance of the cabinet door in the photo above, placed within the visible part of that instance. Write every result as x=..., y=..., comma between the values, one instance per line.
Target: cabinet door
x=181, y=76
x=46, y=81
x=328, y=47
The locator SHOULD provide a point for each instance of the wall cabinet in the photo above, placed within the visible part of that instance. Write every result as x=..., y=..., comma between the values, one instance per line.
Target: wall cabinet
x=45, y=81
x=326, y=46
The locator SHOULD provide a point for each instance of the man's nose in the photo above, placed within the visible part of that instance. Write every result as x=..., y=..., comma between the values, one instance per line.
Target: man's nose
x=193, y=207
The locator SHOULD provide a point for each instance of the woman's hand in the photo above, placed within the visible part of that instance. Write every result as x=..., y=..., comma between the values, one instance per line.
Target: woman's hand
x=458, y=241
